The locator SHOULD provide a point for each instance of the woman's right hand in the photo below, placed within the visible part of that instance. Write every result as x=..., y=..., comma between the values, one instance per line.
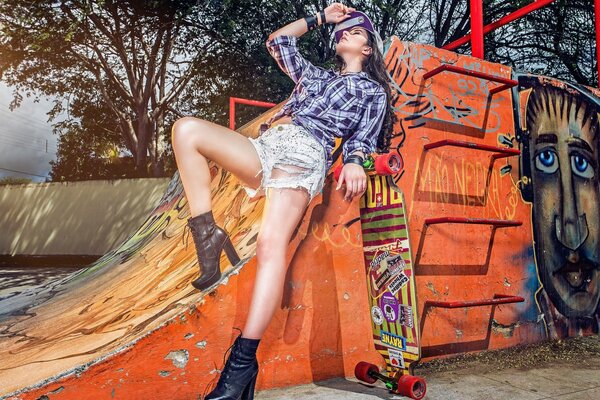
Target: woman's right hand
x=337, y=12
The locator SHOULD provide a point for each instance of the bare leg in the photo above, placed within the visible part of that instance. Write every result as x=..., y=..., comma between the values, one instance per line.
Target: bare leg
x=284, y=209
x=196, y=140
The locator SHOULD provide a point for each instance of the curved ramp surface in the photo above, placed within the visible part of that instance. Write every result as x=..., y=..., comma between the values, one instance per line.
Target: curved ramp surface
x=131, y=324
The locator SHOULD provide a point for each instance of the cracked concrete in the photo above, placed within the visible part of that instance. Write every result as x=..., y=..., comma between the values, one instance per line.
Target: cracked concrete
x=556, y=383
x=566, y=370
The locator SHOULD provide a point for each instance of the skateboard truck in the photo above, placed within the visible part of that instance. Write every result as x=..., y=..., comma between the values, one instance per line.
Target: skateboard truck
x=403, y=384
x=380, y=164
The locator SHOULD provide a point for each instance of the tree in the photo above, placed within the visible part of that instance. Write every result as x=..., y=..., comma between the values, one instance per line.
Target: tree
x=11, y=180
x=90, y=144
x=139, y=55
x=124, y=71
x=556, y=40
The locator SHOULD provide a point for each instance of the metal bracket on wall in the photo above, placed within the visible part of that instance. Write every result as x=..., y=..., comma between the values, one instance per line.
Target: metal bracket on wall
x=499, y=223
x=498, y=299
x=499, y=152
x=506, y=83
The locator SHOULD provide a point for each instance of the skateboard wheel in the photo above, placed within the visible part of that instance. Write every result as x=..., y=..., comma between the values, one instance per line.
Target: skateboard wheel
x=388, y=164
x=362, y=369
x=412, y=386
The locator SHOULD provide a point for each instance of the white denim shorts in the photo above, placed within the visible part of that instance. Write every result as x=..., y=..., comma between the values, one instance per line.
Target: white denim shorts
x=298, y=157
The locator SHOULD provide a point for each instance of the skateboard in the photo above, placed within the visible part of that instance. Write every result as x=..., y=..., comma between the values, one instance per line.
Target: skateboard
x=390, y=280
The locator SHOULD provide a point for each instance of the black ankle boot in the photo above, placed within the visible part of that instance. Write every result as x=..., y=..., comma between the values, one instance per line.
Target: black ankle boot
x=210, y=240
x=238, y=377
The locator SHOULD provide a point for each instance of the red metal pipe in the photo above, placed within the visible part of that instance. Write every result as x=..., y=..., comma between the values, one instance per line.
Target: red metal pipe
x=503, y=21
x=232, y=113
x=506, y=83
x=498, y=299
x=473, y=221
x=477, y=28
x=499, y=151
x=597, y=13
x=234, y=100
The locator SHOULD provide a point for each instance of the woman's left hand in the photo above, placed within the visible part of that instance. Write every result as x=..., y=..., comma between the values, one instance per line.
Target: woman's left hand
x=337, y=12
x=353, y=175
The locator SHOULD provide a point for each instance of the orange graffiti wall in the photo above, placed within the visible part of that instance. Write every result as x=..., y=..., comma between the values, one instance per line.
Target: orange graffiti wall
x=455, y=262
x=131, y=326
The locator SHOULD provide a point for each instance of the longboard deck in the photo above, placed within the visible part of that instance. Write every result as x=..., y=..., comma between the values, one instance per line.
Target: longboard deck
x=390, y=277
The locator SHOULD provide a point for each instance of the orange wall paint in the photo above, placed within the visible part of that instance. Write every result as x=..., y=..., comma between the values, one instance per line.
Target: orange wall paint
x=322, y=327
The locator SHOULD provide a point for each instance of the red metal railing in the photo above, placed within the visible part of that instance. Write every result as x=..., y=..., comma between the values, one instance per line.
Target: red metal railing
x=500, y=223
x=498, y=299
x=506, y=82
x=234, y=100
x=474, y=345
x=499, y=152
x=478, y=30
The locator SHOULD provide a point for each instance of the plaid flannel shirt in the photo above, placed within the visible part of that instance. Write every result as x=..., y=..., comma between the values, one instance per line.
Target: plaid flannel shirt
x=351, y=106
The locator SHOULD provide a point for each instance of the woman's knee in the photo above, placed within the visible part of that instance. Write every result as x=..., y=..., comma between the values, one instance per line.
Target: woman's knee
x=270, y=246
x=186, y=129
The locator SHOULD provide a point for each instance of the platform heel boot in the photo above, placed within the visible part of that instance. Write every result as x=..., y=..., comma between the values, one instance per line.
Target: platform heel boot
x=238, y=378
x=210, y=240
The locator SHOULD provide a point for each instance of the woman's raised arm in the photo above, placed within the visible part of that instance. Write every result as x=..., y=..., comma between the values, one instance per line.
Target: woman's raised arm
x=281, y=44
x=334, y=13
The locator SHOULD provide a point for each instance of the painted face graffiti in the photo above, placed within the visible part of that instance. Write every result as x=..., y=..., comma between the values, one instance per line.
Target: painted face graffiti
x=563, y=160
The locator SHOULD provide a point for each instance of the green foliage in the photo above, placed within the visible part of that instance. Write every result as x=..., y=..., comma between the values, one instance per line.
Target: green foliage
x=556, y=40
x=112, y=66
x=10, y=180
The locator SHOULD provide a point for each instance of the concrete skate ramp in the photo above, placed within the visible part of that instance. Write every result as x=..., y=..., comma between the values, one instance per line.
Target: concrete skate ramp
x=130, y=326
x=134, y=312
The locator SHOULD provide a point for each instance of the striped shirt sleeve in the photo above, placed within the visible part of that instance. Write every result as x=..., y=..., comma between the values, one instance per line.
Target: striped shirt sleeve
x=365, y=136
x=284, y=50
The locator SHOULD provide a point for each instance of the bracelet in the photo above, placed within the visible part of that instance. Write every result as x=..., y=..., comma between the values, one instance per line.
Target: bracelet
x=311, y=22
x=355, y=155
x=355, y=158
x=323, y=19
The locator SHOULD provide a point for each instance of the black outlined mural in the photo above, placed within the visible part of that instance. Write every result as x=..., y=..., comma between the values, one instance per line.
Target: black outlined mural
x=557, y=131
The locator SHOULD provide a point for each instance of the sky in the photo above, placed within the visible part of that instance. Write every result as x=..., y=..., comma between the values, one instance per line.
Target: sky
x=27, y=143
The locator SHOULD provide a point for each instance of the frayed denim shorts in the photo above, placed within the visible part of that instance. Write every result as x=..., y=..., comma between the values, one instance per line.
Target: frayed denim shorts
x=291, y=157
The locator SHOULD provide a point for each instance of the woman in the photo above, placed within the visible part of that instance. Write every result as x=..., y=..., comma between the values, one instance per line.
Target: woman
x=291, y=158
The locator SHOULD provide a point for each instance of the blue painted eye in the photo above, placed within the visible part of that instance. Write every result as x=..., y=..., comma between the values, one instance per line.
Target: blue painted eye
x=546, y=158
x=581, y=166
x=580, y=163
x=546, y=161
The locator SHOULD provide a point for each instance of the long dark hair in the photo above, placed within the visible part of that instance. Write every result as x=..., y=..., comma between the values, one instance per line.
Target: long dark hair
x=375, y=68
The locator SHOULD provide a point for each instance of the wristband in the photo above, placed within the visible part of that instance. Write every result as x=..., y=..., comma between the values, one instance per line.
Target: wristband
x=356, y=155
x=355, y=159
x=311, y=22
x=323, y=20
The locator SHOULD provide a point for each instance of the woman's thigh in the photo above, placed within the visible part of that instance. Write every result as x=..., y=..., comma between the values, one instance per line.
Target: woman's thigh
x=284, y=209
x=229, y=149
